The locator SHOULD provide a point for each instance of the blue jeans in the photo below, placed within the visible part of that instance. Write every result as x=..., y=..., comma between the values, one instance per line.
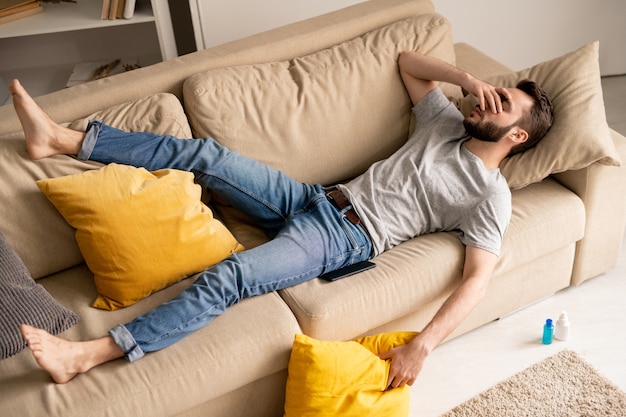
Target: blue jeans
x=309, y=236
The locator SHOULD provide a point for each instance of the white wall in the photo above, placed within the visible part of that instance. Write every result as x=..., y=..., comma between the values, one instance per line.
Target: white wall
x=521, y=33
x=227, y=20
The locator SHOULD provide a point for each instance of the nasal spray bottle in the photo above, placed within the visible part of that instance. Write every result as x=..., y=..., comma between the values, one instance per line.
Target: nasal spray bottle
x=548, y=332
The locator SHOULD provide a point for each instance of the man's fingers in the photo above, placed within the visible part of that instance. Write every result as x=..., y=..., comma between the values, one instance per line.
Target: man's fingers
x=385, y=355
x=505, y=92
x=399, y=382
x=499, y=95
x=483, y=99
x=491, y=98
x=494, y=101
x=394, y=383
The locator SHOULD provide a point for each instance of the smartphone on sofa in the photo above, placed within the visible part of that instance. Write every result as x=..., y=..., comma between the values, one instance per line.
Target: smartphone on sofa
x=346, y=271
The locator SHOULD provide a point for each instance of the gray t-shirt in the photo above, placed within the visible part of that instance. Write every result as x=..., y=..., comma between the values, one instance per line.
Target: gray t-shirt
x=433, y=183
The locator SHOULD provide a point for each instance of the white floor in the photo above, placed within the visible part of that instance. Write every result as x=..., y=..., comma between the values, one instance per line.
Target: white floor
x=462, y=368
x=470, y=364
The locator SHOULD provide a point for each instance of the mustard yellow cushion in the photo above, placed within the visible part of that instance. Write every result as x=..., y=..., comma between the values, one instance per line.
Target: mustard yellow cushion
x=580, y=135
x=138, y=231
x=324, y=117
x=344, y=378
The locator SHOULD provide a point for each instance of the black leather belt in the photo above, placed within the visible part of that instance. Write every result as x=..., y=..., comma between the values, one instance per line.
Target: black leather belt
x=340, y=201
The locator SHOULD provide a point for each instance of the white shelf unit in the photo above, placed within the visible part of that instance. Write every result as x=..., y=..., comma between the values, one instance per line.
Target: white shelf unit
x=62, y=17
x=66, y=29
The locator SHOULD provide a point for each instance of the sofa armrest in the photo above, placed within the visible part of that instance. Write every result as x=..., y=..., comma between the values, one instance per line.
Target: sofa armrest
x=477, y=63
x=602, y=189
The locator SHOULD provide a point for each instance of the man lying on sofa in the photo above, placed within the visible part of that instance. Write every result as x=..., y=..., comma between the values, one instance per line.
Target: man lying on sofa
x=310, y=235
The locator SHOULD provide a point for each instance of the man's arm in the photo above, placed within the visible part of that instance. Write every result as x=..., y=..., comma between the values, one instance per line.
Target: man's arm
x=420, y=74
x=407, y=360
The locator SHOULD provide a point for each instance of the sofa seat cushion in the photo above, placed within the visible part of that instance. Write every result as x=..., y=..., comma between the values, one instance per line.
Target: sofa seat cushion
x=546, y=217
x=251, y=341
x=35, y=229
x=324, y=117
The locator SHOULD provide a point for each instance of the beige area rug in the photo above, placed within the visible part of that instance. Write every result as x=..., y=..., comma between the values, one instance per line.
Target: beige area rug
x=561, y=385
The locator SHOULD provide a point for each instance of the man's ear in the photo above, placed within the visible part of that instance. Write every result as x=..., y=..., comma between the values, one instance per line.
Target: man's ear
x=518, y=135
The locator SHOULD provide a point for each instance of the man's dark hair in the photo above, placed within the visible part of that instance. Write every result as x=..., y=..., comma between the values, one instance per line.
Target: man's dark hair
x=538, y=121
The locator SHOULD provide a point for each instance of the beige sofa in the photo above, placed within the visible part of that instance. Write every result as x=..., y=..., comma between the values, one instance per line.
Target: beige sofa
x=564, y=230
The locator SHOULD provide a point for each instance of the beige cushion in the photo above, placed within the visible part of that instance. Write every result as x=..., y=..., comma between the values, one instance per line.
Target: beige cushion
x=580, y=135
x=324, y=117
x=32, y=225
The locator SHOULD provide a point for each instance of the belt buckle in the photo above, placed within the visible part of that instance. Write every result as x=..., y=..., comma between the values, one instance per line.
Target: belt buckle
x=351, y=214
x=330, y=195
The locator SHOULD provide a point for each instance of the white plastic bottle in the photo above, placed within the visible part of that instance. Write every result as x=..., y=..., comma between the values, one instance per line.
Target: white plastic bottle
x=561, y=329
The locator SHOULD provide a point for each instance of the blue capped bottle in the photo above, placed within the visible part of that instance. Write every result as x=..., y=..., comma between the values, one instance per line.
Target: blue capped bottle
x=548, y=332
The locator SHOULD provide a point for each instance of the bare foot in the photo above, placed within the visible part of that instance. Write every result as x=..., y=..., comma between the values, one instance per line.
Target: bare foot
x=52, y=353
x=65, y=359
x=43, y=136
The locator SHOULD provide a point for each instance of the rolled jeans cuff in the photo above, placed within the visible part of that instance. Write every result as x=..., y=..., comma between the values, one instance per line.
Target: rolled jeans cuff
x=126, y=342
x=91, y=137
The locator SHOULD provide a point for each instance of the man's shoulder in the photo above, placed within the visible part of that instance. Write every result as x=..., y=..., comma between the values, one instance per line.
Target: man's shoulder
x=435, y=104
x=434, y=97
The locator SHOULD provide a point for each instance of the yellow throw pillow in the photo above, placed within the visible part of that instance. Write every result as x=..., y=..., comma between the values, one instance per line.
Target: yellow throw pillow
x=344, y=378
x=139, y=231
x=580, y=134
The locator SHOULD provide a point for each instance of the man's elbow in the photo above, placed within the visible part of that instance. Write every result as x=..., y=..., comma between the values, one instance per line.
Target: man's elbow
x=405, y=58
x=480, y=284
x=484, y=288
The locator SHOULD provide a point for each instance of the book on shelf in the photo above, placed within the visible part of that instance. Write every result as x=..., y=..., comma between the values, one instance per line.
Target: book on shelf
x=129, y=9
x=113, y=9
x=11, y=10
x=118, y=9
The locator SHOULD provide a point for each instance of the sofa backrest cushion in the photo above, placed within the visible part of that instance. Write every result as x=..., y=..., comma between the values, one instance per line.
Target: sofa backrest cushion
x=324, y=117
x=34, y=228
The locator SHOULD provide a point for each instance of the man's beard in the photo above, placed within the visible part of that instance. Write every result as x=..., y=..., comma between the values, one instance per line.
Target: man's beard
x=485, y=131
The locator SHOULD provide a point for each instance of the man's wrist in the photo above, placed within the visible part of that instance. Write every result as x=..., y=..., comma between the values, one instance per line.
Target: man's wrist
x=422, y=345
x=465, y=80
